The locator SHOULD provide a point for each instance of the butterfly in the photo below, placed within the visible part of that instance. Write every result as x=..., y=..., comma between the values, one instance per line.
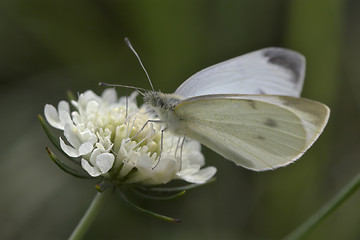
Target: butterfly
x=247, y=109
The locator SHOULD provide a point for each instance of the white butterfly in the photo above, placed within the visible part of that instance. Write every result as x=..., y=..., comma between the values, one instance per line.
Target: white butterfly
x=247, y=109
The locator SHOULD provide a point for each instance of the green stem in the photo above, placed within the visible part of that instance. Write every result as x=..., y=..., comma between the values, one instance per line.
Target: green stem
x=90, y=215
x=326, y=210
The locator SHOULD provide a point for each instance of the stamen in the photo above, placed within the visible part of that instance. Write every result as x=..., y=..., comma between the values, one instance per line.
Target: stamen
x=148, y=136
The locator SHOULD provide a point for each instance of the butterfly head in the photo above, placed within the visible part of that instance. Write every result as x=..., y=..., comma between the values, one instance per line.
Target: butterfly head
x=159, y=100
x=164, y=105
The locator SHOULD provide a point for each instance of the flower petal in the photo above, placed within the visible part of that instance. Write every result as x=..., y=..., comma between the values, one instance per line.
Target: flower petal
x=52, y=116
x=58, y=118
x=71, y=136
x=193, y=153
x=64, y=106
x=105, y=161
x=94, y=155
x=162, y=173
x=93, y=171
x=200, y=177
x=72, y=152
x=85, y=148
x=109, y=96
x=189, y=170
x=92, y=107
x=84, y=98
x=88, y=136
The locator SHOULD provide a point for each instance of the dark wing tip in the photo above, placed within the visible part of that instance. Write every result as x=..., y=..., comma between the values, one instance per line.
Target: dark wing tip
x=287, y=59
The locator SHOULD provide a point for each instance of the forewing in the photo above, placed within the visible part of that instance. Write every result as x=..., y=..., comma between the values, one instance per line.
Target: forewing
x=275, y=71
x=256, y=132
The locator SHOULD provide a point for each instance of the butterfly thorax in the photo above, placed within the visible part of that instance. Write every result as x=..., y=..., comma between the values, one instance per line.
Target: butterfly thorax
x=163, y=105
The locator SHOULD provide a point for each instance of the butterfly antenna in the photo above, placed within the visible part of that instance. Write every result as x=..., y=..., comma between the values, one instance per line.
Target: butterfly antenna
x=127, y=41
x=124, y=86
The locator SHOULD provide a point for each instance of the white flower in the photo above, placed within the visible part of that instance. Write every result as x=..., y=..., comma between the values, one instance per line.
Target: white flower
x=109, y=135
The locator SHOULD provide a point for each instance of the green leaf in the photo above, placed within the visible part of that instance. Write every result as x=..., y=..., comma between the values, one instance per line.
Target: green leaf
x=142, y=210
x=326, y=210
x=64, y=167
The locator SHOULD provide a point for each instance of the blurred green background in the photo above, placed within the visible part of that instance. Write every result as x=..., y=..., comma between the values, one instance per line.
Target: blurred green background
x=49, y=47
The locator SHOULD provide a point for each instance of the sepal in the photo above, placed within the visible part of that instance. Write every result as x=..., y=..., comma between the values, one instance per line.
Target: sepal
x=151, y=194
x=177, y=188
x=64, y=167
x=146, y=211
x=54, y=140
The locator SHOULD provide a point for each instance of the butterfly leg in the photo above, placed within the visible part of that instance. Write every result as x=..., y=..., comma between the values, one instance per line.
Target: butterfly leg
x=181, y=150
x=161, y=147
x=142, y=128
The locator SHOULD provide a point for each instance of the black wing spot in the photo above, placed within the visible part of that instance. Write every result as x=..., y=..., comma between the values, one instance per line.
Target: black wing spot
x=261, y=91
x=270, y=123
x=290, y=60
x=260, y=137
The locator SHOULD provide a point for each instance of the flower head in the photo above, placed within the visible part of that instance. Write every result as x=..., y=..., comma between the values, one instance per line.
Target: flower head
x=114, y=139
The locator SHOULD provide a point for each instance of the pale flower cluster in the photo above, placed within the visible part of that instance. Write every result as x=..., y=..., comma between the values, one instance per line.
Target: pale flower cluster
x=105, y=132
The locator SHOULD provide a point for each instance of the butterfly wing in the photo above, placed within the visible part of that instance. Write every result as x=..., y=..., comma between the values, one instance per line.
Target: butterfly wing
x=273, y=71
x=258, y=132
